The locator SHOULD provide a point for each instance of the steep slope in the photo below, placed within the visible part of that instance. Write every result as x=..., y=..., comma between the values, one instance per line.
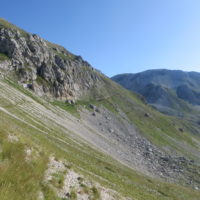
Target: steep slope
x=46, y=153
x=46, y=68
x=88, y=140
x=171, y=91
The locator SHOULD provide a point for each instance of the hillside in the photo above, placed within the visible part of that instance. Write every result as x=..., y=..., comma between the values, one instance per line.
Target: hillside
x=172, y=92
x=69, y=132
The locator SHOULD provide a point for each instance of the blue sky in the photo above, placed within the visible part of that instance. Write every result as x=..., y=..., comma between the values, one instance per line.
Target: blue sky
x=116, y=36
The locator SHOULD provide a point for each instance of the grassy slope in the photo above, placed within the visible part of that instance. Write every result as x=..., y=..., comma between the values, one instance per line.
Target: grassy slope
x=162, y=130
x=5, y=24
x=181, y=107
x=19, y=177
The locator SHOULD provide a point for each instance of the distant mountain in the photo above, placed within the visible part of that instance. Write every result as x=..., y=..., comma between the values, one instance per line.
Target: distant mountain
x=170, y=91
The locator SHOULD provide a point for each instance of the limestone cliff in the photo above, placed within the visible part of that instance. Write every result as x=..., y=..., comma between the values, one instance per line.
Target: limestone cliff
x=46, y=68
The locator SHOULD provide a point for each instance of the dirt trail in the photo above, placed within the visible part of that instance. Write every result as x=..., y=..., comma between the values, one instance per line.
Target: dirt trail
x=76, y=184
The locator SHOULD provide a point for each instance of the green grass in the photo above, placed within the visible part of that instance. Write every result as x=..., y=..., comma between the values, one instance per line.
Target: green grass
x=62, y=52
x=85, y=188
x=82, y=158
x=42, y=81
x=95, y=193
x=6, y=24
x=66, y=56
x=25, y=91
x=73, y=195
x=49, y=193
x=19, y=179
x=58, y=179
x=155, y=127
x=71, y=108
x=160, y=129
x=86, y=68
x=3, y=57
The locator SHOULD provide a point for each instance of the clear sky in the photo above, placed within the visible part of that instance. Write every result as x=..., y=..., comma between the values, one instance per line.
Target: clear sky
x=116, y=36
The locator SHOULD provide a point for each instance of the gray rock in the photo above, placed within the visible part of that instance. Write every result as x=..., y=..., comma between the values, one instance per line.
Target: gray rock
x=180, y=129
x=92, y=106
x=196, y=188
x=70, y=101
x=111, y=131
x=51, y=69
x=97, y=110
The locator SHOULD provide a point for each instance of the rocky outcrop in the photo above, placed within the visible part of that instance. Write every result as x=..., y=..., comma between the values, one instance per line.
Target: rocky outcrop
x=50, y=69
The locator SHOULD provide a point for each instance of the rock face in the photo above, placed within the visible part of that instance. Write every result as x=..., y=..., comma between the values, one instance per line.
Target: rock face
x=48, y=68
x=170, y=91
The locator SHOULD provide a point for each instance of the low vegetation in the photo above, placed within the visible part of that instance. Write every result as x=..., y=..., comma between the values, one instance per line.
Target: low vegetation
x=5, y=24
x=3, y=57
x=71, y=108
x=17, y=175
x=58, y=179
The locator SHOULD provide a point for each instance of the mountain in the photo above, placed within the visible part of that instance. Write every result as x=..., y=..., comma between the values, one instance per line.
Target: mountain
x=46, y=68
x=170, y=91
x=69, y=132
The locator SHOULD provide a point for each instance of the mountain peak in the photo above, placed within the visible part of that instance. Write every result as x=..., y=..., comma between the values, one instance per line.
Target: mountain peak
x=47, y=68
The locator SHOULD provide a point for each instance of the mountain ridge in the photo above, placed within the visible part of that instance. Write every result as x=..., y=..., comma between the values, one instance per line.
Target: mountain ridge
x=48, y=68
x=58, y=110
x=176, y=81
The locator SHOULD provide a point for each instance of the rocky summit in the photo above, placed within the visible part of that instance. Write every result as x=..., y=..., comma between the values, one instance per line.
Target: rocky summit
x=46, y=68
x=69, y=132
